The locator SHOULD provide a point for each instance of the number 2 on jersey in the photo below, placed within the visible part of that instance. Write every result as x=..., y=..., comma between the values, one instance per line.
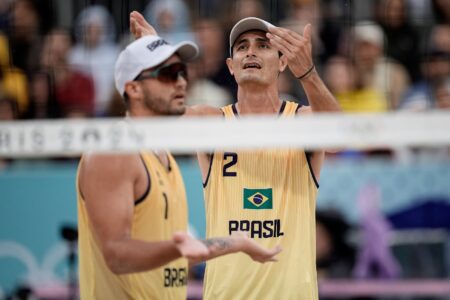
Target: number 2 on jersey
x=231, y=159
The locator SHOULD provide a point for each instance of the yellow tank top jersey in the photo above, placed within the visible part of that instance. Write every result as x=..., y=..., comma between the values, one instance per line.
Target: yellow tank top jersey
x=271, y=194
x=157, y=215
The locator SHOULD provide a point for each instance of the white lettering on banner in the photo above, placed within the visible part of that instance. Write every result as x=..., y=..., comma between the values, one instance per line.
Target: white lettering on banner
x=187, y=135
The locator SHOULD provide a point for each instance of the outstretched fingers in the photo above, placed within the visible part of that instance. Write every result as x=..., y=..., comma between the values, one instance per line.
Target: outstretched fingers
x=281, y=44
x=290, y=36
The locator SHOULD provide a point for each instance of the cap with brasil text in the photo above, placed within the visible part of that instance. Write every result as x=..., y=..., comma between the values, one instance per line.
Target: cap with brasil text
x=148, y=52
x=245, y=25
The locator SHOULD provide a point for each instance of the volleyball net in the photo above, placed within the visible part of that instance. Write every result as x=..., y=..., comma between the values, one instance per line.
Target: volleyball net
x=38, y=188
x=185, y=135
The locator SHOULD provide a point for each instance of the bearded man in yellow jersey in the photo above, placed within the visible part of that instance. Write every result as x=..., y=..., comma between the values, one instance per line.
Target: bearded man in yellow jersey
x=270, y=194
x=132, y=212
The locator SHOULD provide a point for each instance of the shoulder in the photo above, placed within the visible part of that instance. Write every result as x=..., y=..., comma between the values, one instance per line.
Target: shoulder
x=203, y=110
x=96, y=165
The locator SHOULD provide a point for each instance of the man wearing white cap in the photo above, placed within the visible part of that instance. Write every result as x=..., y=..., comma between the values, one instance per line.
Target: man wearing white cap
x=132, y=212
x=271, y=194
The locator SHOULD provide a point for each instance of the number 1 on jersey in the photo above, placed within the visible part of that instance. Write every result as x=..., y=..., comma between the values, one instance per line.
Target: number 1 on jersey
x=232, y=158
x=166, y=210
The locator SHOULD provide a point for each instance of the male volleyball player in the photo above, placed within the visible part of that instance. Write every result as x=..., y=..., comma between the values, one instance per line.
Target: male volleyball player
x=271, y=193
x=132, y=212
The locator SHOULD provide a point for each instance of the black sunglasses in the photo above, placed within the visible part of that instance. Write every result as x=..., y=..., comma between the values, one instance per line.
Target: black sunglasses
x=166, y=73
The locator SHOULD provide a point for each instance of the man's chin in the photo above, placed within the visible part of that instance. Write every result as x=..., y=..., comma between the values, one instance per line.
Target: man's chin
x=251, y=78
x=178, y=111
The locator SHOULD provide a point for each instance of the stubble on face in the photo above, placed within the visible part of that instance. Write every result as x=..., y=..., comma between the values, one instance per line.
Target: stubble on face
x=164, y=104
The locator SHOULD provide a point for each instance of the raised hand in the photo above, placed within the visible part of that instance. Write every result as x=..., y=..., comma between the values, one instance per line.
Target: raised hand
x=139, y=27
x=190, y=248
x=296, y=48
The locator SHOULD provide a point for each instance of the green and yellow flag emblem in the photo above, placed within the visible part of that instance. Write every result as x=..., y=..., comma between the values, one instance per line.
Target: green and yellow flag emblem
x=258, y=198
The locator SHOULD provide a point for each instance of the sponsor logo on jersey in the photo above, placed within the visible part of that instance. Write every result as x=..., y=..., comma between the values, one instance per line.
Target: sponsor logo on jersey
x=258, y=198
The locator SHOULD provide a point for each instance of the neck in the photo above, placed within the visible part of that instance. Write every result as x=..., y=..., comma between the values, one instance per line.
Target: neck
x=258, y=99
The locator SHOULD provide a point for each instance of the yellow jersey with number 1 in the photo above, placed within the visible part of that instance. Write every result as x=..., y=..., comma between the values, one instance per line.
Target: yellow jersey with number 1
x=270, y=194
x=157, y=216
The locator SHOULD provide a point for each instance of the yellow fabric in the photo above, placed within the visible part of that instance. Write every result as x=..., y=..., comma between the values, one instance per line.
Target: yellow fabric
x=289, y=223
x=4, y=50
x=365, y=100
x=14, y=81
x=149, y=224
x=14, y=84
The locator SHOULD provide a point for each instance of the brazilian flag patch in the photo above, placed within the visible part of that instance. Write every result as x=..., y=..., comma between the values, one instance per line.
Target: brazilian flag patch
x=258, y=198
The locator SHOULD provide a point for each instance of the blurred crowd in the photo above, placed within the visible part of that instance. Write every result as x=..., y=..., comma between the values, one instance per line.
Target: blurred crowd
x=375, y=56
x=57, y=61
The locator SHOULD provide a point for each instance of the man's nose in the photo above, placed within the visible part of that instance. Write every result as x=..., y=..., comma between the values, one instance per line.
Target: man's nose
x=181, y=80
x=251, y=51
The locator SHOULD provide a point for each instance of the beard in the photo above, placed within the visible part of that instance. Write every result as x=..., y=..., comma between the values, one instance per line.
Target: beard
x=163, y=105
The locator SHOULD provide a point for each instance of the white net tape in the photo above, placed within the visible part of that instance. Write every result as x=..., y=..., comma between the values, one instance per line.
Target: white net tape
x=187, y=135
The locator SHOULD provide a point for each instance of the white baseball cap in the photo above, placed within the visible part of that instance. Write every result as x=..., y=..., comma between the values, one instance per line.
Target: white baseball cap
x=247, y=24
x=148, y=52
x=369, y=32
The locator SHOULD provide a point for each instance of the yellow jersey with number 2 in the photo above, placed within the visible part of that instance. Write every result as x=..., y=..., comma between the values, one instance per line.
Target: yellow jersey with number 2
x=270, y=194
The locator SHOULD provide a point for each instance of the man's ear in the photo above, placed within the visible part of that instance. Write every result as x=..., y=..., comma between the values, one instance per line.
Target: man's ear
x=282, y=63
x=133, y=89
x=229, y=62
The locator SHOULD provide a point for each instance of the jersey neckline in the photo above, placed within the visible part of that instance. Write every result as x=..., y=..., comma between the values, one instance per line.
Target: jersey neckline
x=280, y=112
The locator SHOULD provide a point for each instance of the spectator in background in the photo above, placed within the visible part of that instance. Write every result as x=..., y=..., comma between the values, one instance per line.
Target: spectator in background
x=43, y=103
x=334, y=15
x=441, y=11
x=431, y=92
x=211, y=82
x=442, y=96
x=248, y=8
x=202, y=90
x=95, y=53
x=13, y=81
x=29, y=20
x=440, y=38
x=373, y=68
x=74, y=91
x=352, y=94
x=420, y=12
x=402, y=39
x=171, y=20
x=4, y=15
x=8, y=107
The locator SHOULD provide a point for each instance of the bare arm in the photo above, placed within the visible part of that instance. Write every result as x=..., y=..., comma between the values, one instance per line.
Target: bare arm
x=109, y=184
x=298, y=52
x=238, y=242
